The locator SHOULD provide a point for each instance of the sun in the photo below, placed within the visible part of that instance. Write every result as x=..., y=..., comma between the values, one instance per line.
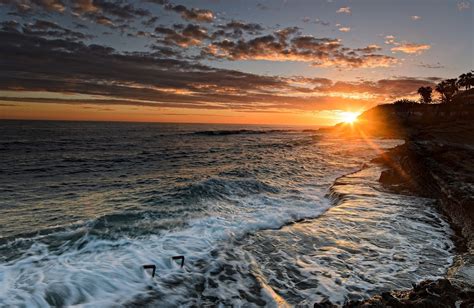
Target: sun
x=349, y=116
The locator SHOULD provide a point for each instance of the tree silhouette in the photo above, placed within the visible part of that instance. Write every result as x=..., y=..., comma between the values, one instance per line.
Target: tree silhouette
x=466, y=80
x=447, y=88
x=425, y=93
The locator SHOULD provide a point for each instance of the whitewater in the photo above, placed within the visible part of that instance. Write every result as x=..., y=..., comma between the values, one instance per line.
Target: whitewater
x=264, y=216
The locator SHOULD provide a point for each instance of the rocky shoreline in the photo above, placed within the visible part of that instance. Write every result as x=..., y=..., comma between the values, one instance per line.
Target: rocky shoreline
x=436, y=161
x=442, y=170
x=438, y=165
x=439, y=170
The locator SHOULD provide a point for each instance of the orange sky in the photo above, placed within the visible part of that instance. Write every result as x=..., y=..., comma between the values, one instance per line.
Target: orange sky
x=34, y=111
x=303, y=63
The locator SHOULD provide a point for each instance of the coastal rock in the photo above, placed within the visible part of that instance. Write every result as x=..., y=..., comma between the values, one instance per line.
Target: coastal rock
x=440, y=167
x=390, y=177
x=437, y=294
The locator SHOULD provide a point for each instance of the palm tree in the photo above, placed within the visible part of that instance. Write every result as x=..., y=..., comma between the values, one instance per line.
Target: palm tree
x=425, y=93
x=447, y=88
x=466, y=80
x=470, y=77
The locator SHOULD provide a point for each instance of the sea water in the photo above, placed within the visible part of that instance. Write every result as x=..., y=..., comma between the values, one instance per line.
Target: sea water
x=264, y=216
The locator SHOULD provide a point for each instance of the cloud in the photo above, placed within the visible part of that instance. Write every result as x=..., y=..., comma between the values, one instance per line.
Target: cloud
x=390, y=39
x=150, y=22
x=431, y=66
x=107, y=77
x=344, y=29
x=236, y=29
x=10, y=25
x=405, y=47
x=383, y=89
x=193, y=14
x=103, y=12
x=45, y=28
x=344, y=10
x=28, y=6
x=251, y=28
x=463, y=5
x=84, y=6
x=116, y=9
x=189, y=36
x=370, y=49
x=288, y=45
x=108, y=13
x=415, y=17
x=411, y=48
x=317, y=21
x=321, y=22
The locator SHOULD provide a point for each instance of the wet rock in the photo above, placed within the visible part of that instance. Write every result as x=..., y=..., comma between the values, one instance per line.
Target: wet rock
x=390, y=177
x=437, y=169
x=324, y=304
x=437, y=294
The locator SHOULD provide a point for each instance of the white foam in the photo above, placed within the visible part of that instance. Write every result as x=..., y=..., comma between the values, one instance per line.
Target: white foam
x=109, y=272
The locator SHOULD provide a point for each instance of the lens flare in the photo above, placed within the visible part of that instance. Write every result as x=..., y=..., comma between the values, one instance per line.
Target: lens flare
x=348, y=116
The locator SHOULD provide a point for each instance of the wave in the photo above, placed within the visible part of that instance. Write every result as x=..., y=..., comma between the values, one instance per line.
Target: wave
x=239, y=132
x=108, y=272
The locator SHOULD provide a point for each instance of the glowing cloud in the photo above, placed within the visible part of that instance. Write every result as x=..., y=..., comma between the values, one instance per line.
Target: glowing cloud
x=344, y=10
x=411, y=48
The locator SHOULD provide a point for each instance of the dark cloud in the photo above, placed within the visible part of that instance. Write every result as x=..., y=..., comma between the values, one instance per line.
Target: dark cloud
x=80, y=26
x=99, y=70
x=102, y=20
x=432, y=66
x=149, y=79
x=45, y=28
x=386, y=88
x=9, y=25
x=117, y=9
x=288, y=45
x=240, y=27
x=28, y=6
x=108, y=13
x=200, y=15
x=190, y=35
x=322, y=22
x=150, y=22
x=164, y=52
x=103, y=12
x=369, y=49
x=190, y=14
x=236, y=30
x=317, y=21
x=160, y=2
x=285, y=33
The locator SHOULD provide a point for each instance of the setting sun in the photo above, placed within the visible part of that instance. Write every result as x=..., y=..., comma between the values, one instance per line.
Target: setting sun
x=349, y=117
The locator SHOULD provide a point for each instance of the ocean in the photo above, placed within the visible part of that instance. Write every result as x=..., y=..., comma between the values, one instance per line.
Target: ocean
x=263, y=215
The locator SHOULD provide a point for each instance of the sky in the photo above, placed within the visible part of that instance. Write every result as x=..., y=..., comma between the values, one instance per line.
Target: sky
x=288, y=62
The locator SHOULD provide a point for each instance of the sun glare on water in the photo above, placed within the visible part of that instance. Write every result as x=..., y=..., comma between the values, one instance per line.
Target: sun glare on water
x=349, y=117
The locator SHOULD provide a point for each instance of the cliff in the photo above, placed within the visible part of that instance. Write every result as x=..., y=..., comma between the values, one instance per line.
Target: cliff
x=402, y=120
x=436, y=161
